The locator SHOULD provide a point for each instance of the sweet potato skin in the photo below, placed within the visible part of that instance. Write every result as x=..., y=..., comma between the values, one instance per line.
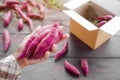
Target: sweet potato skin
x=7, y=41
x=20, y=24
x=36, y=41
x=23, y=53
x=34, y=36
x=64, y=50
x=7, y=18
x=71, y=68
x=84, y=66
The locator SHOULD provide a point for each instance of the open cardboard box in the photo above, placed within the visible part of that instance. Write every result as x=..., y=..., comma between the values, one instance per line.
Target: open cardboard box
x=81, y=13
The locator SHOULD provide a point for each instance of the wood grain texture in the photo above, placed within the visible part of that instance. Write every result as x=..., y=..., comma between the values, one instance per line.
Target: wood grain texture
x=100, y=69
x=104, y=62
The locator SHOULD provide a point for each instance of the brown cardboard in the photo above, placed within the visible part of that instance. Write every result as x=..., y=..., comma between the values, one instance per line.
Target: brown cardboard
x=94, y=37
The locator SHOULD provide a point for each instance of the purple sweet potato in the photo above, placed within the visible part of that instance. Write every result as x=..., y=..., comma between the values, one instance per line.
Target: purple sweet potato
x=2, y=7
x=71, y=68
x=35, y=16
x=101, y=23
x=60, y=53
x=7, y=41
x=23, y=53
x=7, y=18
x=84, y=66
x=46, y=43
x=108, y=17
x=32, y=38
x=23, y=15
x=60, y=32
x=20, y=24
x=11, y=2
x=100, y=18
x=104, y=18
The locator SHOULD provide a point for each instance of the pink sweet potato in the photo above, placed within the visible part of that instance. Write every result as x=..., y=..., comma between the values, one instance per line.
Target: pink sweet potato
x=104, y=18
x=60, y=32
x=7, y=41
x=101, y=23
x=46, y=43
x=29, y=43
x=71, y=68
x=84, y=66
x=2, y=7
x=7, y=18
x=11, y=2
x=20, y=24
x=100, y=18
x=35, y=16
x=64, y=50
x=108, y=17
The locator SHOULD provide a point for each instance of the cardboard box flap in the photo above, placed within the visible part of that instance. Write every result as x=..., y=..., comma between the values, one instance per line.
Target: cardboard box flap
x=79, y=19
x=74, y=4
x=112, y=26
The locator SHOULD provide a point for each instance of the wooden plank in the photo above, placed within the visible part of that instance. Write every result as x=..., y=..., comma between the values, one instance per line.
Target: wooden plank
x=99, y=69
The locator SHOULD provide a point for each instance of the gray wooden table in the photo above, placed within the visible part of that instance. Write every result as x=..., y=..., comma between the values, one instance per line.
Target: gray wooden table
x=104, y=62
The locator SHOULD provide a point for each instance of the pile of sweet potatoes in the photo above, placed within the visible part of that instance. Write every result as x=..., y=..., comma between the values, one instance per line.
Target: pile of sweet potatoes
x=23, y=11
x=7, y=40
x=101, y=20
x=42, y=41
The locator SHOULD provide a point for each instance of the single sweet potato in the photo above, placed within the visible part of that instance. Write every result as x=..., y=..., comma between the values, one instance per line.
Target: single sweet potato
x=11, y=2
x=7, y=18
x=20, y=24
x=7, y=41
x=84, y=66
x=2, y=7
x=101, y=23
x=71, y=68
x=23, y=53
x=64, y=50
x=35, y=16
x=108, y=17
x=100, y=18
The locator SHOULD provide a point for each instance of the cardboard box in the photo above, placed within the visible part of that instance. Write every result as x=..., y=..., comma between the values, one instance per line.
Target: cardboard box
x=81, y=14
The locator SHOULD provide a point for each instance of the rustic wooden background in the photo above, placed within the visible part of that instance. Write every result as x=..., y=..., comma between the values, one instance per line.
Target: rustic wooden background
x=104, y=62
